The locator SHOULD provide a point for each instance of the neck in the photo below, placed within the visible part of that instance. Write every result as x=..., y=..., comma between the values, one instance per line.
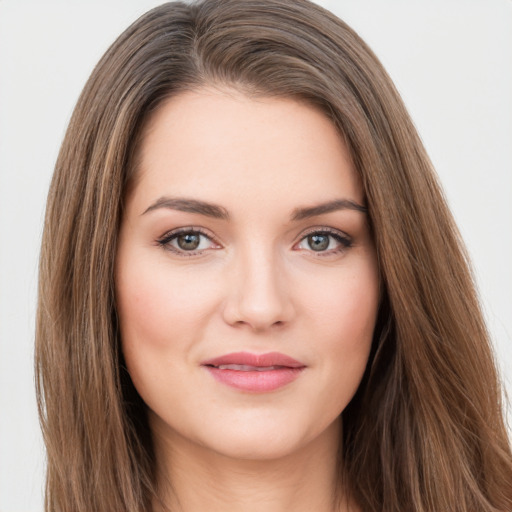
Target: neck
x=194, y=479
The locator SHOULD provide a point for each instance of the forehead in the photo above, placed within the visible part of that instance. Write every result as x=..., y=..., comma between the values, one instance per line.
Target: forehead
x=224, y=145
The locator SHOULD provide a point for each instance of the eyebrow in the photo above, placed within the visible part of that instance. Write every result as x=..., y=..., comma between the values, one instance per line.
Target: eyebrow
x=190, y=206
x=218, y=212
x=330, y=206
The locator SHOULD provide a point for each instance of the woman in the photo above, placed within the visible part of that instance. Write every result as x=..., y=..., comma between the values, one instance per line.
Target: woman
x=252, y=294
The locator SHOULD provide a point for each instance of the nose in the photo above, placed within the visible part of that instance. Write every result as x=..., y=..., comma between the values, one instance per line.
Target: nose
x=259, y=294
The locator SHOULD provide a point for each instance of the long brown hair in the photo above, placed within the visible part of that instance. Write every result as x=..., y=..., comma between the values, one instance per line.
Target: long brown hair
x=425, y=431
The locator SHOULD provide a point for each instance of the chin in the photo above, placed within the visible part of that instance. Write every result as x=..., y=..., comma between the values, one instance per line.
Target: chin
x=265, y=441
x=258, y=446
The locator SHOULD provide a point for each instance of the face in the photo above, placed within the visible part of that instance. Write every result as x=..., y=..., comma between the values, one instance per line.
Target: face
x=246, y=277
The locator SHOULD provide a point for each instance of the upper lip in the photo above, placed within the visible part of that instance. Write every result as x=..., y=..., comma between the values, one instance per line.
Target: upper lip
x=249, y=359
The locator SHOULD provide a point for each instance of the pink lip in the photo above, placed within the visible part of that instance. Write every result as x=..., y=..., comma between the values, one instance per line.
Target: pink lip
x=271, y=370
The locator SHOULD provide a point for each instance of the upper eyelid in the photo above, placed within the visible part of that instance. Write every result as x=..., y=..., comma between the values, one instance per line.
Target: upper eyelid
x=188, y=229
x=324, y=229
x=207, y=232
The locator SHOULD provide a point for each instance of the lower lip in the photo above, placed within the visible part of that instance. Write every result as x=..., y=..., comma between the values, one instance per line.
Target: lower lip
x=258, y=382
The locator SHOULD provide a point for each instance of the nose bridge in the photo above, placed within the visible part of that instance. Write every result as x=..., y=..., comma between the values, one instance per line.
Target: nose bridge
x=259, y=295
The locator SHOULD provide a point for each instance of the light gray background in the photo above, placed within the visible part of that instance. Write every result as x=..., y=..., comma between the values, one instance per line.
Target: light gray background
x=451, y=60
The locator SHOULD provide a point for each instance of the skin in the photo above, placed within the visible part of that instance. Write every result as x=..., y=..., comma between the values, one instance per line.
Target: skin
x=254, y=284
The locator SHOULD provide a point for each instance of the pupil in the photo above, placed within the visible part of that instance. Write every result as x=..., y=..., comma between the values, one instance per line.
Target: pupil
x=318, y=242
x=188, y=241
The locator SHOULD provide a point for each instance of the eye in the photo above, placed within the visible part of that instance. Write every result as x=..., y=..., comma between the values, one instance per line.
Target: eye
x=325, y=241
x=187, y=240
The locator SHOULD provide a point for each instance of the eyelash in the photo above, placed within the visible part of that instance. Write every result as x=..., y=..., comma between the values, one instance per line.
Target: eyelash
x=344, y=241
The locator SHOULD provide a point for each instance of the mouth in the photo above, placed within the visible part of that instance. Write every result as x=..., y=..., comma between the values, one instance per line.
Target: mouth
x=257, y=373
x=247, y=368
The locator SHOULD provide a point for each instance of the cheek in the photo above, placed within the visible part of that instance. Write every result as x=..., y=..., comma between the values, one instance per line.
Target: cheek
x=154, y=301
x=346, y=304
x=344, y=316
x=161, y=315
